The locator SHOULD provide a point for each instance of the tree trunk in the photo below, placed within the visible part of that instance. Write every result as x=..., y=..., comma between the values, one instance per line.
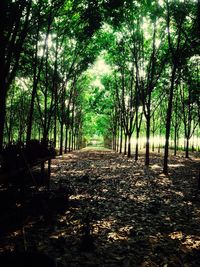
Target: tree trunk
x=2, y=109
x=168, y=121
x=187, y=147
x=147, y=139
x=70, y=141
x=3, y=5
x=66, y=138
x=129, y=146
x=117, y=142
x=36, y=78
x=125, y=144
x=121, y=138
x=137, y=144
x=61, y=137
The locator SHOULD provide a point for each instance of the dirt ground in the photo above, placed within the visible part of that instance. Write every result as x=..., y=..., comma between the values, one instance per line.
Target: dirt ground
x=106, y=210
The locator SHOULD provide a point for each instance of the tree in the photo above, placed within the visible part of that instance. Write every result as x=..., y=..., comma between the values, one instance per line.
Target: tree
x=13, y=32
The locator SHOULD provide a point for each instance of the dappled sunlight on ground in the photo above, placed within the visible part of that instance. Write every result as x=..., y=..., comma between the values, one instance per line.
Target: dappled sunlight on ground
x=120, y=213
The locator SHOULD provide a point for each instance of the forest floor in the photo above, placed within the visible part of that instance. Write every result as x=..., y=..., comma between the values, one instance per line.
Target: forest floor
x=106, y=210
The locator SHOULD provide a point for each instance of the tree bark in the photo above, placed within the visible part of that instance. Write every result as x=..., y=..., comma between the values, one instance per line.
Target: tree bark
x=168, y=121
x=129, y=146
x=148, y=118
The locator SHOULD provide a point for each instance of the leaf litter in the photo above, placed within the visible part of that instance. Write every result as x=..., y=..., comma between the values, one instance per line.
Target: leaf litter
x=106, y=210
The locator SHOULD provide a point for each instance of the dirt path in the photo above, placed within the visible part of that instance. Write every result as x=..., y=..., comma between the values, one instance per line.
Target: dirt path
x=107, y=210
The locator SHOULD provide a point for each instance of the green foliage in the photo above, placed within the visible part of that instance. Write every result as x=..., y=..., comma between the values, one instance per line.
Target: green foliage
x=61, y=45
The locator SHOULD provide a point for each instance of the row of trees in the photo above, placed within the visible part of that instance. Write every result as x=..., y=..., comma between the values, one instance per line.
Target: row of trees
x=47, y=47
x=155, y=57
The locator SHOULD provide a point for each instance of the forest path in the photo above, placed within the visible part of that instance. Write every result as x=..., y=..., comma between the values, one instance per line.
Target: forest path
x=105, y=210
x=124, y=214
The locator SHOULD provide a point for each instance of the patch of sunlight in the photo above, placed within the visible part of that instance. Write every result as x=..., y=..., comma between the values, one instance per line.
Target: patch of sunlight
x=176, y=235
x=69, y=156
x=79, y=197
x=191, y=242
x=102, y=225
x=178, y=193
x=126, y=229
x=82, y=172
x=162, y=175
x=88, y=148
x=124, y=166
x=142, y=198
x=176, y=165
x=132, y=197
x=140, y=183
x=155, y=166
x=116, y=236
x=58, y=234
x=105, y=223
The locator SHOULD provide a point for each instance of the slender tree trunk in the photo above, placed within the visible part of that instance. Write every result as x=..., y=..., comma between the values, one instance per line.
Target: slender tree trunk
x=2, y=109
x=129, y=146
x=117, y=144
x=66, y=138
x=125, y=144
x=168, y=121
x=55, y=118
x=175, y=140
x=70, y=140
x=61, y=137
x=147, y=139
x=36, y=78
x=3, y=5
x=153, y=134
x=121, y=138
x=187, y=147
x=137, y=144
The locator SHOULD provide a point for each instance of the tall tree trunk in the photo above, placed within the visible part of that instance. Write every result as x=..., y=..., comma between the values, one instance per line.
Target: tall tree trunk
x=3, y=5
x=129, y=146
x=121, y=137
x=148, y=118
x=66, y=138
x=36, y=78
x=125, y=144
x=3, y=109
x=187, y=147
x=168, y=120
x=61, y=136
x=55, y=117
x=137, y=143
x=118, y=131
x=70, y=134
x=175, y=140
